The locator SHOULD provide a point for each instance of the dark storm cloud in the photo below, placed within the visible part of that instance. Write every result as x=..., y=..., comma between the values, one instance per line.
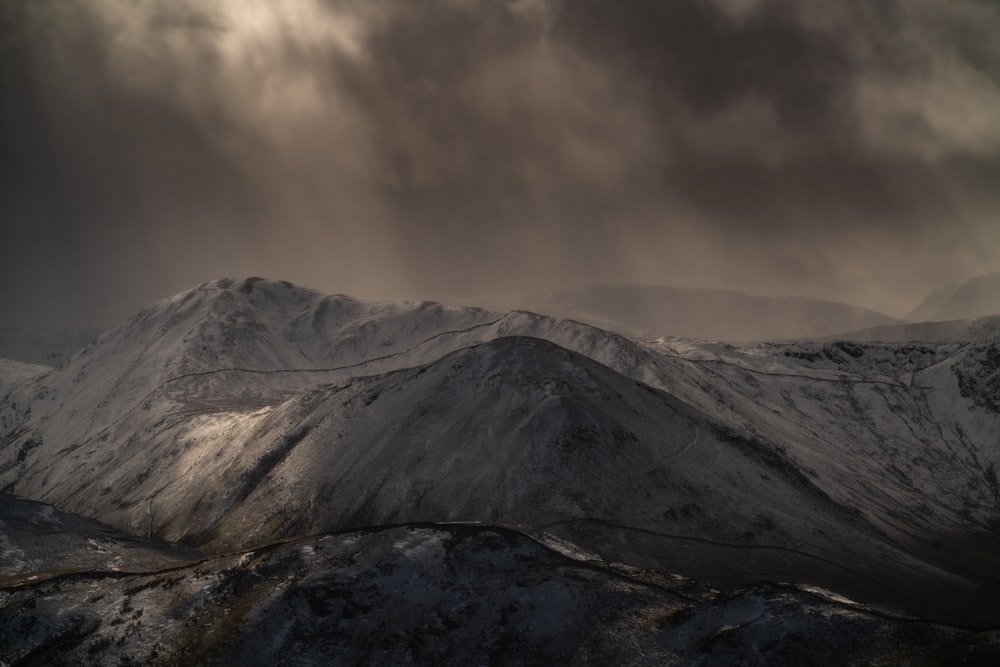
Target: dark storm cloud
x=845, y=149
x=693, y=53
x=785, y=115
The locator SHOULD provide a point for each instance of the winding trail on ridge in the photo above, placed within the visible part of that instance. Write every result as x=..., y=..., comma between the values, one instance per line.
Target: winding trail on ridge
x=669, y=457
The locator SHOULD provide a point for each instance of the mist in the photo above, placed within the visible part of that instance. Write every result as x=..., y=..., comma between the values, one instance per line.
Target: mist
x=452, y=148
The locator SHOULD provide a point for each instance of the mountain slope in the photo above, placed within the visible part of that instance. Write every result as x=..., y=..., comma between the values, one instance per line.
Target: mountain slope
x=39, y=542
x=975, y=297
x=704, y=314
x=438, y=594
x=15, y=373
x=237, y=344
x=545, y=437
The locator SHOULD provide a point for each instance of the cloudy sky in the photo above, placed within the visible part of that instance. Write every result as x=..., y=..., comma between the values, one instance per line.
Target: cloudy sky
x=392, y=148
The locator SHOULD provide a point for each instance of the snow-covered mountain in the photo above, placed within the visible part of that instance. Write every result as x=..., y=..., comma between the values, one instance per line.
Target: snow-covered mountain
x=704, y=314
x=418, y=594
x=975, y=297
x=241, y=412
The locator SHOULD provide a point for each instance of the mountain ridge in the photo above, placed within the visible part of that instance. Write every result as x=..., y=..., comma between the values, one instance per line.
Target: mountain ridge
x=429, y=593
x=698, y=313
x=253, y=382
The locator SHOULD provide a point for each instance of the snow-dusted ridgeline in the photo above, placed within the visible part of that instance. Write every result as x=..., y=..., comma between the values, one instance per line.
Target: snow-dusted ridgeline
x=845, y=462
x=414, y=594
x=707, y=314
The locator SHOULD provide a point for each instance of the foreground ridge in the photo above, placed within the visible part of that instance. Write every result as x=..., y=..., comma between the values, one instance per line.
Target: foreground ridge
x=424, y=593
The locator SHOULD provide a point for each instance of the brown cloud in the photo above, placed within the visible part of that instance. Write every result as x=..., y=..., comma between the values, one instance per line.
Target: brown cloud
x=844, y=149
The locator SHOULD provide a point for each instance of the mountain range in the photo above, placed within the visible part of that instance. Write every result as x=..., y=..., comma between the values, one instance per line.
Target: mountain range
x=226, y=424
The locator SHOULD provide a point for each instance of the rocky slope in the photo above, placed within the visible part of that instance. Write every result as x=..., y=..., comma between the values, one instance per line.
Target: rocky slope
x=431, y=594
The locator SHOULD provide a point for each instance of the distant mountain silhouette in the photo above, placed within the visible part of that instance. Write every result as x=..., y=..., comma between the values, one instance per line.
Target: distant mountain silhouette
x=975, y=297
x=704, y=314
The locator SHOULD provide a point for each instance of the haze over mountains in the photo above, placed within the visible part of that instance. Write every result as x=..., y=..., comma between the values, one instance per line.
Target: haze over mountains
x=725, y=315
x=49, y=347
x=705, y=314
x=973, y=298
x=247, y=411
x=386, y=150
x=684, y=312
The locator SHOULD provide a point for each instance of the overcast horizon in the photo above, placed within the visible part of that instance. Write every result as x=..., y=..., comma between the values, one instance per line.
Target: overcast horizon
x=445, y=149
